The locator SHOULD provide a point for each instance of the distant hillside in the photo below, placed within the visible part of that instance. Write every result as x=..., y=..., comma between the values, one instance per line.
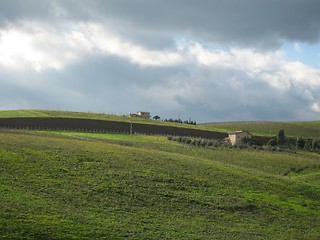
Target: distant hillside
x=259, y=128
x=93, y=125
x=86, y=115
x=65, y=114
x=292, y=129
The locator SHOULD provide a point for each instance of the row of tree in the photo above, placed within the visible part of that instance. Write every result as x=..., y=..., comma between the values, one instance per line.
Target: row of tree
x=200, y=142
x=181, y=121
x=157, y=117
x=299, y=143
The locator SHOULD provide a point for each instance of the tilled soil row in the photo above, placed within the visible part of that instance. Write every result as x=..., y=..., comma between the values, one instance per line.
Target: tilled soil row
x=88, y=125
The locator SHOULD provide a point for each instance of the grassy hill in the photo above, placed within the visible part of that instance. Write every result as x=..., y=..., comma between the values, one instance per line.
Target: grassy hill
x=65, y=114
x=112, y=186
x=292, y=129
x=260, y=128
x=85, y=115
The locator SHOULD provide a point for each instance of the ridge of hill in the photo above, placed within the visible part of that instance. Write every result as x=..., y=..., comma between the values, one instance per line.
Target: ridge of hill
x=87, y=115
x=307, y=129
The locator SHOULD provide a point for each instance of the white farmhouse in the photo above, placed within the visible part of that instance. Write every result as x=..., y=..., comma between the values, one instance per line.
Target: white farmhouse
x=236, y=137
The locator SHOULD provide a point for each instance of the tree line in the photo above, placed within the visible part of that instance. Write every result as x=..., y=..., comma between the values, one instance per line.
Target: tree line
x=282, y=140
x=181, y=121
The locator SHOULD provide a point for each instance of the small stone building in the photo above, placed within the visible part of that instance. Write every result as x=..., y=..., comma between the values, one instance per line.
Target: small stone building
x=236, y=137
x=140, y=114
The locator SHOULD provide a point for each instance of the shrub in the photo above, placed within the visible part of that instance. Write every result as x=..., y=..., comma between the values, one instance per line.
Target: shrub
x=272, y=142
x=203, y=142
x=315, y=144
x=209, y=143
x=308, y=144
x=193, y=141
x=198, y=142
x=184, y=139
x=300, y=143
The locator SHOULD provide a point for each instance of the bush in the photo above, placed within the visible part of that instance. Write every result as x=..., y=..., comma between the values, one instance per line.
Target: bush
x=243, y=146
x=315, y=144
x=272, y=142
x=203, y=142
x=209, y=143
x=308, y=144
x=184, y=139
x=300, y=143
x=198, y=142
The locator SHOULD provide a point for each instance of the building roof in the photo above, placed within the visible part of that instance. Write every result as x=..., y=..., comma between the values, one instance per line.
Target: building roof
x=144, y=112
x=238, y=131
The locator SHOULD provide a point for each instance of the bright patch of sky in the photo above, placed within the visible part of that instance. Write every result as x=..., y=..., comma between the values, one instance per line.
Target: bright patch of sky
x=184, y=41
x=308, y=54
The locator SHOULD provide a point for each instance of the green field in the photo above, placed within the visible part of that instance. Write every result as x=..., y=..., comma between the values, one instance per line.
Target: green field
x=67, y=114
x=85, y=115
x=65, y=185
x=292, y=129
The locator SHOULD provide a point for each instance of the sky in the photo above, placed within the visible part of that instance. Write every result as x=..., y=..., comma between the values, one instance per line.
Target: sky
x=208, y=60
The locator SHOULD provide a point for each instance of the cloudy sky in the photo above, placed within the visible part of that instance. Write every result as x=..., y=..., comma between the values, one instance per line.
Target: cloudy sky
x=209, y=60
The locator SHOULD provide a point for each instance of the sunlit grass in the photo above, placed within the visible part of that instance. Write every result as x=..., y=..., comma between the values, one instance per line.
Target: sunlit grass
x=106, y=186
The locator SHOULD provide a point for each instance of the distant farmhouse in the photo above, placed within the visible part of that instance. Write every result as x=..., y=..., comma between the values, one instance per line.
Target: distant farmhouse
x=236, y=138
x=140, y=114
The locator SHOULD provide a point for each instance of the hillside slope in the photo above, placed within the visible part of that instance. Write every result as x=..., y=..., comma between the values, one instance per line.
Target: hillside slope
x=259, y=128
x=109, y=186
x=84, y=115
x=292, y=129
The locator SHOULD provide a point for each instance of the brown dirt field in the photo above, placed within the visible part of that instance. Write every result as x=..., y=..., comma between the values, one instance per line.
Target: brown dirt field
x=87, y=125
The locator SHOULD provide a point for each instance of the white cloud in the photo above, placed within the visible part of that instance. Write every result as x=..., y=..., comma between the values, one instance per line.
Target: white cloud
x=316, y=107
x=297, y=47
x=109, y=43
x=236, y=79
x=35, y=46
x=269, y=66
x=42, y=49
x=16, y=46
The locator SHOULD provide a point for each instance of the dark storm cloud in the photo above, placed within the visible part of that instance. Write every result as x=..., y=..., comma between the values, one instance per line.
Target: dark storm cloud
x=16, y=11
x=248, y=22
x=97, y=83
x=257, y=23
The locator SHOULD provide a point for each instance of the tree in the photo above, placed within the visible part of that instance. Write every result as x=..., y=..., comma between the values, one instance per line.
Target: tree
x=300, y=143
x=156, y=117
x=315, y=144
x=281, y=138
x=308, y=144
